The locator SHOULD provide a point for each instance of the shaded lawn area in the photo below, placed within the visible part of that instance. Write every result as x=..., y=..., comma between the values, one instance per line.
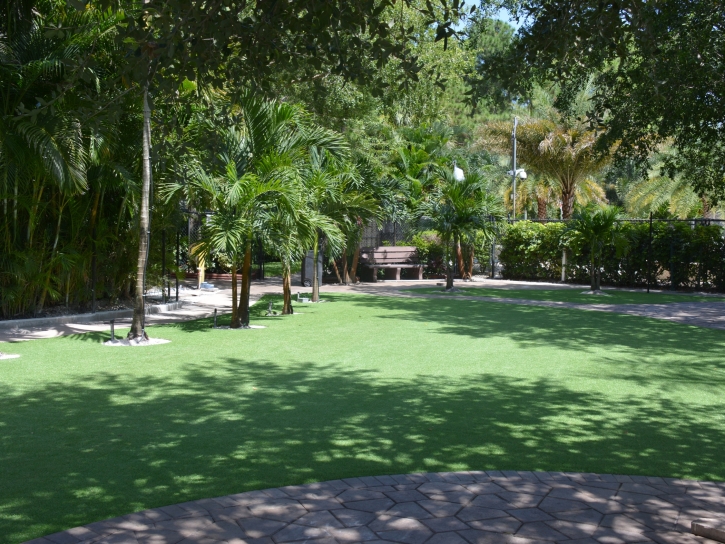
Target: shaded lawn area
x=363, y=385
x=570, y=295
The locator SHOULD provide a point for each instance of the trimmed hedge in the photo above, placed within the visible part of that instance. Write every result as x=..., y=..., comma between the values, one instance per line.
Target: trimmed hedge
x=684, y=255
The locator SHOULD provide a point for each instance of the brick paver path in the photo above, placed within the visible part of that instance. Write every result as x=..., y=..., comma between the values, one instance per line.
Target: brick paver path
x=463, y=507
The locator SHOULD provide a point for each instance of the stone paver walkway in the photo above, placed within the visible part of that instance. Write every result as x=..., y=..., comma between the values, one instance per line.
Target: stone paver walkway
x=463, y=507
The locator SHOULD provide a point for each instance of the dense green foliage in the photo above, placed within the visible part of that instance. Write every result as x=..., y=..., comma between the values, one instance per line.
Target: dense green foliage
x=657, y=68
x=683, y=255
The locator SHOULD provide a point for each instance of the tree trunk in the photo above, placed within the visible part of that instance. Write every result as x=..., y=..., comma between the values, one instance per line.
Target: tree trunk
x=355, y=260
x=541, y=207
x=137, y=326
x=315, y=279
x=246, y=281
x=592, y=272
x=567, y=203
x=469, y=272
x=235, y=307
x=459, y=257
x=337, y=272
x=345, y=269
x=286, y=290
x=449, y=266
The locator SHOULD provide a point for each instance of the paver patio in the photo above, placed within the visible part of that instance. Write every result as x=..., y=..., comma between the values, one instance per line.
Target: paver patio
x=462, y=507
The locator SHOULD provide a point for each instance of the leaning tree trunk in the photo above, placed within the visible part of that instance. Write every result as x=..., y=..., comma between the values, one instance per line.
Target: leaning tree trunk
x=286, y=290
x=315, y=279
x=137, y=326
x=235, y=307
x=337, y=271
x=246, y=281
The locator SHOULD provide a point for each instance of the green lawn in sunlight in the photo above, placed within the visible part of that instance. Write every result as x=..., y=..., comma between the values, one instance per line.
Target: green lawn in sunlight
x=362, y=385
x=611, y=296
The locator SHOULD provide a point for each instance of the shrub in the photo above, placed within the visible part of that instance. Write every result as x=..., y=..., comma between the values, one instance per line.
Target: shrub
x=684, y=255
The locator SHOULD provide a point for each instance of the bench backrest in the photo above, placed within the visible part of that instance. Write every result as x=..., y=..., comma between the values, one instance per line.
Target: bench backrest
x=389, y=255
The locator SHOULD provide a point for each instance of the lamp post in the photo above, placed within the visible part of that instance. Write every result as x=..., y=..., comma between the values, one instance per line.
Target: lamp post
x=514, y=172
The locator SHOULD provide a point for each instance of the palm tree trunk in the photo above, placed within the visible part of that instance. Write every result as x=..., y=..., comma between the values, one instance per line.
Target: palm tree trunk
x=137, y=326
x=567, y=202
x=592, y=272
x=246, y=281
x=337, y=271
x=355, y=260
x=235, y=306
x=286, y=289
x=459, y=257
x=345, y=269
x=541, y=207
x=315, y=279
x=469, y=272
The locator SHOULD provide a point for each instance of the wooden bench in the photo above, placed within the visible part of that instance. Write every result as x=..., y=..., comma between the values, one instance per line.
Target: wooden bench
x=391, y=259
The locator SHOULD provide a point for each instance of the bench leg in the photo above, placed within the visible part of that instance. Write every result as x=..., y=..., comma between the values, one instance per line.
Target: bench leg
x=392, y=273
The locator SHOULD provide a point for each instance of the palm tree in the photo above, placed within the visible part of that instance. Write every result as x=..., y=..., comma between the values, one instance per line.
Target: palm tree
x=259, y=174
x=291, y=235
x=456, y=210
x=331, y=190
x=595, y=227
x=566, y=155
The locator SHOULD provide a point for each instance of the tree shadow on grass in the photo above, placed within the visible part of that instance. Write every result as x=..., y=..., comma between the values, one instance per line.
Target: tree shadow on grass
x=114, y=444
x=534, y=326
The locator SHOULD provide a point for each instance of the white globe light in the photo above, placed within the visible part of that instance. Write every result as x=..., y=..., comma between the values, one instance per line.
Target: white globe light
x=458, y=174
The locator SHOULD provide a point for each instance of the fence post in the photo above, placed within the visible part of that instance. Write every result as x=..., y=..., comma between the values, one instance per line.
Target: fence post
x=163, y=266
x=178, y=264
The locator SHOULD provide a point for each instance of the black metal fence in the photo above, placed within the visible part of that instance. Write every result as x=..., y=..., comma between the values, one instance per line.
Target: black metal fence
x=390, y=233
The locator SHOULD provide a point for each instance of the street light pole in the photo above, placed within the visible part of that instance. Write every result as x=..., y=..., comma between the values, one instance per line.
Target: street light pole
x=513, y=170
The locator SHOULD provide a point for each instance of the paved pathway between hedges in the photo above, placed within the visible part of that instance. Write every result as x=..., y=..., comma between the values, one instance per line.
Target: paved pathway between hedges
x=463, y=507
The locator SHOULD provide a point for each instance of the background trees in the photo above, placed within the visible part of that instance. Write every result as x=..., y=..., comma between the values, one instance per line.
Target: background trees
x=402, y=85
x=657, y=71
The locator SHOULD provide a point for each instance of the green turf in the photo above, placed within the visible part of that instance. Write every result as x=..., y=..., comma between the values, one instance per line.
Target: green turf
x=363, y=385
x=272, y=269
x=570, y=295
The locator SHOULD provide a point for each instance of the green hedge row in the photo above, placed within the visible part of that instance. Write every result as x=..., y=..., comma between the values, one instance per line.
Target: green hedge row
x=684, y=255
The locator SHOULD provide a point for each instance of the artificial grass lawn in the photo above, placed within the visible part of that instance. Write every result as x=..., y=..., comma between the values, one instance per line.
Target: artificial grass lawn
x=360, y=386
x=570, y=295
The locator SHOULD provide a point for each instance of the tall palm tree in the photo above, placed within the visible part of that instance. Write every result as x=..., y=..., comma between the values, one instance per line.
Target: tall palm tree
x=331, y=190
x=456, y=210
x=564, y=154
